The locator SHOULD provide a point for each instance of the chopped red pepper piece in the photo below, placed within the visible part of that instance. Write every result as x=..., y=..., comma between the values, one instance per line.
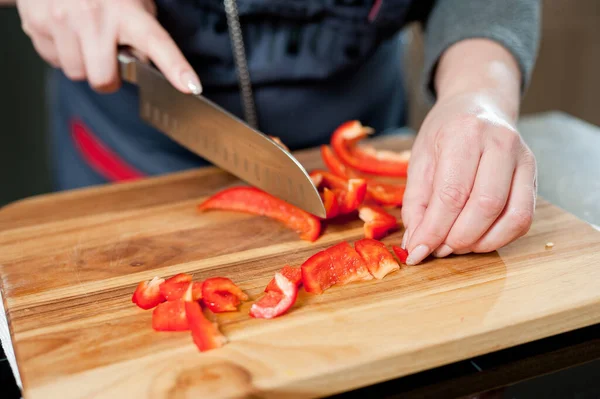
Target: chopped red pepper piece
x=175, y=291
x=318, y=273
x=179, y=278
x=257, y=202
x=339, y=264
x=382, y=193
x=330, y=201
x=401, y=253
x=347, y=263
x=378, y=258
x=147, y=294
x=276, y=303
x=294, y=274
x=170, y=316
x=377, y=221
x=206, y=334
x=349, y=193
x=385, y=163
x=220, y=294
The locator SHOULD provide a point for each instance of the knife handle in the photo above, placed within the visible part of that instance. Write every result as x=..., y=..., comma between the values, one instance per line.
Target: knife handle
x=128, y=65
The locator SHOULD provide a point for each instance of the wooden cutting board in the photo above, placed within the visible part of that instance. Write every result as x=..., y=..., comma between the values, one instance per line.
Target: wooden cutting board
x=69, y=263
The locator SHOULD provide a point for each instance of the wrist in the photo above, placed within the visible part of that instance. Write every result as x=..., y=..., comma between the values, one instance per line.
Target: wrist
x=481, y=68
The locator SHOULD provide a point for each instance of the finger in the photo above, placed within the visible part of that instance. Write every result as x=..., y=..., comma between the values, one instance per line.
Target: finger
x=418, y=191
x=144, y=33
x=99, y=46
x=486, y=202
x=46, y=49
x=517, y=216
x=453, y=181
x=67, y=45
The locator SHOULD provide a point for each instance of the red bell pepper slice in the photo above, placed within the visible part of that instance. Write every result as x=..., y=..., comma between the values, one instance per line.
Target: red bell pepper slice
x=382, y=193
x=257, y=202
x=175, y=291
x=339, y=264
x=377, y=221
x=349, y=193
x=170, y=316
x=276, y=303
x=220, y=294
x=179, y=278
x=318, y=273
x=378, y=258
x=385, y=163
x=401, y=253
x=294, y=274
x=347, y=263
x=206, y=335
x=147, y=294
x=330, y=201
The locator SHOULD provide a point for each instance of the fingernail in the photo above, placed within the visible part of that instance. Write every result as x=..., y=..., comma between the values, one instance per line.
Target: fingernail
x=443, y=251
x=404, y=237
x=417, y=255
x=191, y=81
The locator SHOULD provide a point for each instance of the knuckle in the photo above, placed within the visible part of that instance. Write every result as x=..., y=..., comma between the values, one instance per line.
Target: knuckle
x=58, y=13
x=520, y=219
x=454, y=196
x=490, y=205
x=459, y=243
x=528, y=158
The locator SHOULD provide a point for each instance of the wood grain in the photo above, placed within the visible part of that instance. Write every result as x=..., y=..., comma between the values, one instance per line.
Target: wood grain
x=69, y=263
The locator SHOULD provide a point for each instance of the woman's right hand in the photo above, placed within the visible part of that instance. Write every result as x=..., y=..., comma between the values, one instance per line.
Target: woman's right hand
x=81, y=38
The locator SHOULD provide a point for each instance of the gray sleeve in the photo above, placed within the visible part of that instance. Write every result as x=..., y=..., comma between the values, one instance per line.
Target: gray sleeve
x=515, y=24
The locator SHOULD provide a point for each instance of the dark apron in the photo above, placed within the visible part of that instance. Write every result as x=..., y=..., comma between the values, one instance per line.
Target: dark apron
x=313, y=65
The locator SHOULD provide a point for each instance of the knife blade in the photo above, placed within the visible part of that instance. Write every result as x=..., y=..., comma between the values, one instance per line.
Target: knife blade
x=220, y=137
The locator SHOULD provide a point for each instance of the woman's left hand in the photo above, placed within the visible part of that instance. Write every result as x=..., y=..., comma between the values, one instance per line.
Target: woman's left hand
x=471, y=180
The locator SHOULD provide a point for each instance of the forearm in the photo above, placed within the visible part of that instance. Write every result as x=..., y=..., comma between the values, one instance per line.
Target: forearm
x=487, y=44
x=484, y=67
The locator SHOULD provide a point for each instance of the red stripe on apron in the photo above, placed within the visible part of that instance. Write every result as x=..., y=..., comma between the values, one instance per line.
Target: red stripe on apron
x=100, y=157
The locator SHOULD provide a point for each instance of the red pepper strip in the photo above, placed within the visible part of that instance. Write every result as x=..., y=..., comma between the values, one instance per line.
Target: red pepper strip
x=257, y=202
x=179, y=278
x=347, y=263
x=294, y=274
x=206, y=334
x=330, y=201
x=220, y=294
x=170, y=316
x=175, y=291
x=385, y=163
x=350, y=193
x=382, y=193
x=339, y=264
x=318, y=273
x=377, y=221
x=276, y=303
x=402, y=254
x=147, y=294
x=378, y=258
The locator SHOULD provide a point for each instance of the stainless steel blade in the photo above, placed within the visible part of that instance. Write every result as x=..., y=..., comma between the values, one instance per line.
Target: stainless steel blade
x=218, y=136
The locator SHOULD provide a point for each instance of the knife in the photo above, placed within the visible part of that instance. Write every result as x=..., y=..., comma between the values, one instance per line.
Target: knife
x=219, y=137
